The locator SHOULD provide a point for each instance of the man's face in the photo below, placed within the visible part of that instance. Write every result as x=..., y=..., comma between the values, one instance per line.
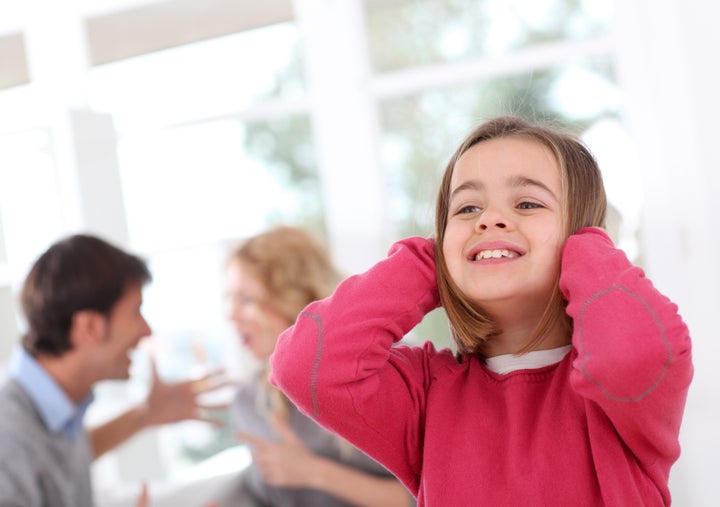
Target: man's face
x=124, y=328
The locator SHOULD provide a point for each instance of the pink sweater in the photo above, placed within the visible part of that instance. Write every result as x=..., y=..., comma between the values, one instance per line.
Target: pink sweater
x=598, y=428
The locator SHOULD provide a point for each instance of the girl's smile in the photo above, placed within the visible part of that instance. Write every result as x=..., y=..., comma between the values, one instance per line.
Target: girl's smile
x=495, y=251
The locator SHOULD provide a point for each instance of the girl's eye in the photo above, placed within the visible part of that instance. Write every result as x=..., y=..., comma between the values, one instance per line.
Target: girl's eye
x=468, y=209
x=529, y=205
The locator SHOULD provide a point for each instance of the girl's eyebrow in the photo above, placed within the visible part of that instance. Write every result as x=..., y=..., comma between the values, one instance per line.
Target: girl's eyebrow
x=467, y=185
x=523, y=181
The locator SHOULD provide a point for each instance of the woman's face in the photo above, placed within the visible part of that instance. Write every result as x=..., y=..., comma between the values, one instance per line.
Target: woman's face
x=258, y=325
x=504, y=231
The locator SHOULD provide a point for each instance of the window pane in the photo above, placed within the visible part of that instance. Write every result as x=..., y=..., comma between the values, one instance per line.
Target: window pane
x=198, y=184
x=207, y=78
x=29, y=196
x=420, y=32
x=421, y=131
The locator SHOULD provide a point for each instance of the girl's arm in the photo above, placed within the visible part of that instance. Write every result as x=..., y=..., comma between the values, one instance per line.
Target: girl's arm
x=634, y=352
x=339, y=366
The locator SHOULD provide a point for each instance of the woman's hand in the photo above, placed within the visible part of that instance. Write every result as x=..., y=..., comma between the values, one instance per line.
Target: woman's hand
x=144, y=498
x=287, y=463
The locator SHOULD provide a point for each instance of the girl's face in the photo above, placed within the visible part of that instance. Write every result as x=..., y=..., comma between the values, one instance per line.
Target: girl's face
x=504, y=232
x=257, y=324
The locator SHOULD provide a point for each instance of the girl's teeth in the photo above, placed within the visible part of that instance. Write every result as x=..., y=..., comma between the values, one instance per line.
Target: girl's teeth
x=494, y=254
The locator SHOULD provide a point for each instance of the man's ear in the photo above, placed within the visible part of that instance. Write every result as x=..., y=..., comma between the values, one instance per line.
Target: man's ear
x=87, y=328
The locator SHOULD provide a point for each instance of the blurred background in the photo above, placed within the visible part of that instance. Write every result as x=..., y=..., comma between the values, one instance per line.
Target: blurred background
x=176, y=128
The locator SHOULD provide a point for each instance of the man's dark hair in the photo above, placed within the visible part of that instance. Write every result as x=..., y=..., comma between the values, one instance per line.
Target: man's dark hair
x=80, y=272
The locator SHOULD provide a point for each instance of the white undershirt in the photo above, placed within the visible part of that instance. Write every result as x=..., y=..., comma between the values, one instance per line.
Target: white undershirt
x=506, y=363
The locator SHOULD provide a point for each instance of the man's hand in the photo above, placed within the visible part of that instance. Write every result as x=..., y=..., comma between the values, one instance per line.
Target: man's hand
x=167, y=403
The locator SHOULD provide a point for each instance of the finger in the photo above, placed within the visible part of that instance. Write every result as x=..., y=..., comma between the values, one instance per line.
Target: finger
x=218, y=423
x=153, y=370
x=143, y=499
x=210, y=382
x=251, y=440
x=217, y=373
x=212, y=406
x=283, y=429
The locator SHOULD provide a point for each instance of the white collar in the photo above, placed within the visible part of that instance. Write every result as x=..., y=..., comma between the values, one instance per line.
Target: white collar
x=507, y=363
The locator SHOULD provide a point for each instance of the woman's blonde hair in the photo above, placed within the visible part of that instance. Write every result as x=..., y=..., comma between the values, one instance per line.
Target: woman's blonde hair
x=583, y=204
x=293, y=266
x=295, y=269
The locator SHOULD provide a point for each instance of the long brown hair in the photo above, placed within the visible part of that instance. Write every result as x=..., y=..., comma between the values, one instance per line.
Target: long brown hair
x=583, y=204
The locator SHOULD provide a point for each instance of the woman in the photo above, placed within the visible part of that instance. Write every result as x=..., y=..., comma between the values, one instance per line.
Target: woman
x=270, y=278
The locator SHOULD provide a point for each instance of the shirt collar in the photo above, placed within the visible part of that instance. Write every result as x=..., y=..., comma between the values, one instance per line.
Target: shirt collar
x=507, y=363
x=56, y=409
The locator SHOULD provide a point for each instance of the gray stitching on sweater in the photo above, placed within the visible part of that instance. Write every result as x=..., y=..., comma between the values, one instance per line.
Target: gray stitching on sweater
x=663, y=337
x=316, y=362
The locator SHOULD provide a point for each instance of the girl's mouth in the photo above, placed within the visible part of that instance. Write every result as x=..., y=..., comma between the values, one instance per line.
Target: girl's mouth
x=495, y=254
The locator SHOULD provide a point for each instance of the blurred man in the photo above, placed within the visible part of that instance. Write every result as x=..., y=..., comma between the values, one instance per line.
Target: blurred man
x=82, y=301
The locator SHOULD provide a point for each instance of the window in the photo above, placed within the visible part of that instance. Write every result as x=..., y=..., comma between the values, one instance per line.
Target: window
x=214, y=145
x=442, y=67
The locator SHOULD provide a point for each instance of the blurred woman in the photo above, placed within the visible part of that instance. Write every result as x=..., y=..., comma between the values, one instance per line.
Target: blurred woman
x=270, y=278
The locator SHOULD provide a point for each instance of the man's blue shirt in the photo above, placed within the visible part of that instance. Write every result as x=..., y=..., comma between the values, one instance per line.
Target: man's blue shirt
x=58, y=412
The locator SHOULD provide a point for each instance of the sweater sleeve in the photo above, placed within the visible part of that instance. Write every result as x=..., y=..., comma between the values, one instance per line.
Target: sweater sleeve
x=337, y=362
x=633, y=349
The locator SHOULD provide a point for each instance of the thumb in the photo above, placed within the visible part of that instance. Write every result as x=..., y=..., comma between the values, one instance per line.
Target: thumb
x=283, y=429
x=143, y=499
x=154, y=376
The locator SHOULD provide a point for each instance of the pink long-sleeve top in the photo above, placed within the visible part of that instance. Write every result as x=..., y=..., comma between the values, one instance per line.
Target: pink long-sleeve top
x=600, y=427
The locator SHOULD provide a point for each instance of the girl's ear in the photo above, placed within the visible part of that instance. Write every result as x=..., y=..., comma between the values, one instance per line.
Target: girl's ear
x=87, y=328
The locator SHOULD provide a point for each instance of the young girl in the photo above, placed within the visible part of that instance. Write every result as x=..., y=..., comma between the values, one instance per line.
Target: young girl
x=571, y=372
x=270, y=278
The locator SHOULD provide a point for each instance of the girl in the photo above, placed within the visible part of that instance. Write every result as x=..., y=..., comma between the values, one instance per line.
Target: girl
x=270, y=278
x=571, y=372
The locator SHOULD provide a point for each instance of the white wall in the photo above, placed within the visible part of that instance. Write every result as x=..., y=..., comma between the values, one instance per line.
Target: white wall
x=670, y=72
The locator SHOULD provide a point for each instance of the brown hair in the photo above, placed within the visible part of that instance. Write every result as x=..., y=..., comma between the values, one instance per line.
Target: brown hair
x=80, y=272
x=584, y=204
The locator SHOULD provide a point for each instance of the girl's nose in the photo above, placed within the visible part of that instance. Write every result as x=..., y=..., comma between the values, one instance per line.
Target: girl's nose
x=499, y=225
x=491, y=218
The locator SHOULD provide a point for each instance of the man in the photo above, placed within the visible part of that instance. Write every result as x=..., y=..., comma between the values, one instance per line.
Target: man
x=82, y=302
